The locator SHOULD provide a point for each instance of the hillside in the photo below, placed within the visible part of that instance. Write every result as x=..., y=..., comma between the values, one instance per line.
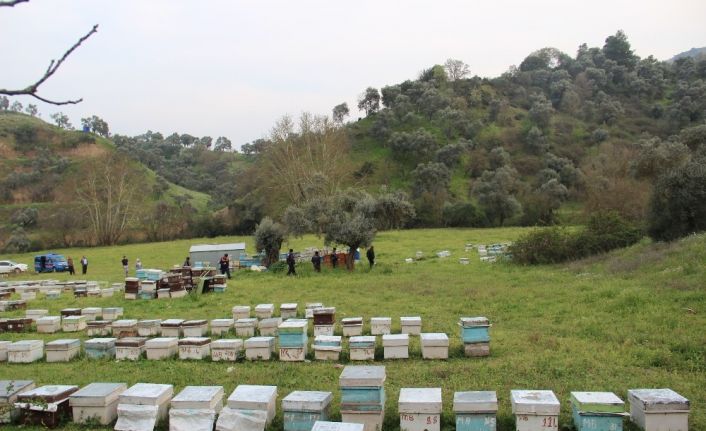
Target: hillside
x=43, y=169
x=695, y=53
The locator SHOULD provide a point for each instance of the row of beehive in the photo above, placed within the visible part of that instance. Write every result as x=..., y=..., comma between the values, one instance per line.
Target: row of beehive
x=53, y=289
x=362, y=401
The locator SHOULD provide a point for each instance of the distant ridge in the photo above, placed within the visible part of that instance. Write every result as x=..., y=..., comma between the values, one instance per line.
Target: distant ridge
x=695, y=53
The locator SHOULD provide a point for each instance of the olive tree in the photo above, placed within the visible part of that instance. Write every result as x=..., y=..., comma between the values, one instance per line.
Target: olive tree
x=495, y=192
x=269, y=236
x=340, y=112
x=369, y=101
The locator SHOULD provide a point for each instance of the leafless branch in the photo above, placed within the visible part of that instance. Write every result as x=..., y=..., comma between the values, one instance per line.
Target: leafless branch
x=11, y=3
x=53, y=67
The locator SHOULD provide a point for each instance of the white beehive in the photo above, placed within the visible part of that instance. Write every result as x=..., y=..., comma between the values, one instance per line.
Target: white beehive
x=245, y=327
x=363, y=396
x=268, y=327
x=48, y=324
x=259, y=348
x=161, y=348
x=25, y=351
x=35, y=314
x=254, y=397
x=411, y=325
x=92, y=313
x=337, y=426
x=194, y=348
x=62, y=350
x=434, y=345
x=352, y=326
x=194, y=328
x=3, y=350
x=99, y=328
x=362, y=348
x=226, y=350
x=659, y=409
x=380, y=325
x=73, y=323
x=288, y=310
x=309, y=309
x=241, y=312
x=327, y=347
x=142, y=406
x=264, y=311
x=112, y=313
x=221, y=326
x=195, y=408
x=420, y=409
x=130, y=348
x=171, y=327
x=96, y=402
x=396, y=346
x=9, y=390
x=124, y=328
x=535, y=410
x=149, y=327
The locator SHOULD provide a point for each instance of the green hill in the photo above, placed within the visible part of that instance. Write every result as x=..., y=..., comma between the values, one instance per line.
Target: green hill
x=43, y=169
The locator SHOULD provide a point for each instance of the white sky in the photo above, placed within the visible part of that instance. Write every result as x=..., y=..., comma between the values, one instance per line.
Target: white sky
x=232, y=68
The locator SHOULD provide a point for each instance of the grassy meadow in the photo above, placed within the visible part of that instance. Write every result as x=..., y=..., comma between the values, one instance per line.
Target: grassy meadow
x=634, y=318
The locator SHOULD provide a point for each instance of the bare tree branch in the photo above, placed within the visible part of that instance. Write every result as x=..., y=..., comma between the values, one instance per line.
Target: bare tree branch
x=54, y=65
x=11, y=3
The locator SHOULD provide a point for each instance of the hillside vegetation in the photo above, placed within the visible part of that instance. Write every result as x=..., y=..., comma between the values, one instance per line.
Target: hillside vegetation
x=632, y=318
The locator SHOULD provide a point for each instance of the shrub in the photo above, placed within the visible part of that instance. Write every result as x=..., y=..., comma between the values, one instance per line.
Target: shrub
x=463, y=214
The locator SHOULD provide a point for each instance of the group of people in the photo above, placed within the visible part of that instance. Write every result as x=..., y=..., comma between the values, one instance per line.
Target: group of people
x=70, y=265
x=317, y=259
x=126, y=265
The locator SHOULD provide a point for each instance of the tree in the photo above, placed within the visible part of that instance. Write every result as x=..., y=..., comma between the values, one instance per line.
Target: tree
x=617, y=48
x=414, y=145
x=32, y=110
x=16, y=106
x=109, y=195
x=433, y=177
x=541, y=111
x=393, y=210
x=678, y=203
x=495, y=190
x=223, y=144
x=26, y=217
x=657, y=157
x=269, y=236
x=18, y=242
x=4, y=103
x=62, y=120
x=456, y=69
x=340, y=112
x=96, y=125
x=369, y=101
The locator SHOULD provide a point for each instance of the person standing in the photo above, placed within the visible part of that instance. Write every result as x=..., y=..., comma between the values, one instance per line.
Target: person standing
x=84, y=265
x=291, y=262
x=126, y=267
x=370, y=254
x=70, y=264
x=316, y=260
x=187, y=262
x=334, y=258
x=225, y=265
x=138, y=264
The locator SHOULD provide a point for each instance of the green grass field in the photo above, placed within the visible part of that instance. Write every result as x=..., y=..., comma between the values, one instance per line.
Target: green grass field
x=632, y=319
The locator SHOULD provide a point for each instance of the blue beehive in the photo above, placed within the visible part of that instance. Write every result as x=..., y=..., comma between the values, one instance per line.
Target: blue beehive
x=100, y=348
x=476, y=411
x=303, y=408
x=597, y=411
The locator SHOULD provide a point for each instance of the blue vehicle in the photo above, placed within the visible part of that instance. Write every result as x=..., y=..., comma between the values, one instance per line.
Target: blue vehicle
x=50, y=262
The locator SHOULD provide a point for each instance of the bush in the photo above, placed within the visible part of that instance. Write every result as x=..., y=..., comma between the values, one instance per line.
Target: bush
x=604, y=232
x=277, y=267
x=463, y=214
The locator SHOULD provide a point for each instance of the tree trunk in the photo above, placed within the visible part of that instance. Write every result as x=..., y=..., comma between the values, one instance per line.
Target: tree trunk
x=350, y=258
x=271, y=257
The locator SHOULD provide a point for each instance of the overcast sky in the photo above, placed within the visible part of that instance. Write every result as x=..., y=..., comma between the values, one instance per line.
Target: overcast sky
x=232, y=68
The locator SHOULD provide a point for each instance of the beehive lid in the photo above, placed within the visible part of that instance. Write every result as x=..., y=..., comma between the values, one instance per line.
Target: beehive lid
x=597, y=402
x=74, y=319
x=327, y=339
x=98, y=323
x=36, y=311
x=252, y=397
x=10, y=388
x=148, y=394
x=241, y=309
x=307, y=401
x=534, y=402
x=48, y=320
x=380, y=320
x=312, y=305
x=222, y=322
x=475, y=402
x=234, y=343
x=194, y=341
x=113, y=310
x=100, y=343
x=337, y=426
x=132, y=279
x=658, y=400
x=161, y=342
x=198, y=397
x=293, y=326
x=434, y=339
x=259, y=342
x=411, y=321
x=352, y=321
x=25, y=345
x=63, y=344
x=245, y=323
x=91, y=310
x=265, y=308
x=324, y=310
x=70, y=310
x=4, y=344
x=288, y=306
x=149, y=323
x=270, y=323
x=468, y=322
x=172, y=323
x=131, y=342
x=394, y=340
x=195, y=323
x=362, y=375
x=125, y=323
x=48, y=393
x=420, y=400
x=97, y=394
x=362, y=341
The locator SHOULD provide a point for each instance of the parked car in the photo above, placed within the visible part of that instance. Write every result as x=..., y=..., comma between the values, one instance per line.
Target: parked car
x=10, y=267
x=50, y=262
